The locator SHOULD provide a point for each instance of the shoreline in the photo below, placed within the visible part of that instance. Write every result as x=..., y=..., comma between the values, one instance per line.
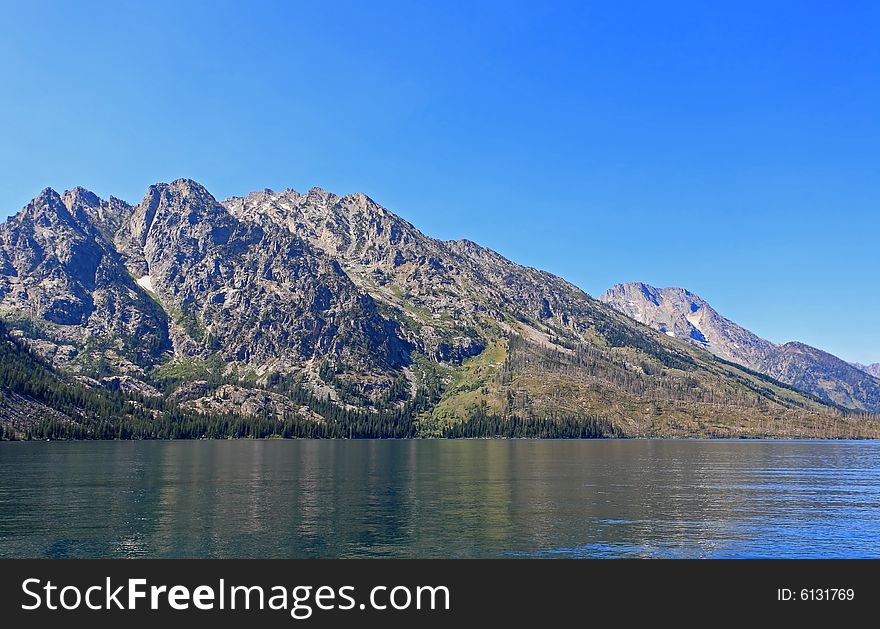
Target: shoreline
x=547, y=439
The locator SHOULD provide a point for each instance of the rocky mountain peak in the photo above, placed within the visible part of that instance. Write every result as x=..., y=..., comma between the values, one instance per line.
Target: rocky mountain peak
x=79, y=196
x=177, y=204
x=93, y=213
x=319, y=197
x=47, y=195
x=180, y=193
x=649, y=292
x=363, y=203
x=47, y=208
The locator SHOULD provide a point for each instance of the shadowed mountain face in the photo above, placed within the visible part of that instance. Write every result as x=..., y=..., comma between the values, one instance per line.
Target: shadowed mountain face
x=682, y=314
x=331, y=308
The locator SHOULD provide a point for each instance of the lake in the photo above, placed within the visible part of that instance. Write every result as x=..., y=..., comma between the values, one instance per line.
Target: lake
x=481, y=498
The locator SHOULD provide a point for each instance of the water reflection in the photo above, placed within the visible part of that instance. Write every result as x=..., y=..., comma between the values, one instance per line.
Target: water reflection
x=440, y=499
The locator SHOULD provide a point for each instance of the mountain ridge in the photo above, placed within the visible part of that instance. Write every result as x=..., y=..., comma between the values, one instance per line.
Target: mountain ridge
x=682, y=314
x=331, y=311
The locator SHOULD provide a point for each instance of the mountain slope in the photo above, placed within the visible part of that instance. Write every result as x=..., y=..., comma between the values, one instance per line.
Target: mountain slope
x=38, y=402
x=682, y=314
x=319, y=314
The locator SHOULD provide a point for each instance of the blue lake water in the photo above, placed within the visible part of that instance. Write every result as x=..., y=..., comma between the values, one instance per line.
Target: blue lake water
x=425, y=499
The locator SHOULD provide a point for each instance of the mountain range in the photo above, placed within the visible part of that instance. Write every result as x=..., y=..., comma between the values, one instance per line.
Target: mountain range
x=288, y=314
x=682, y=314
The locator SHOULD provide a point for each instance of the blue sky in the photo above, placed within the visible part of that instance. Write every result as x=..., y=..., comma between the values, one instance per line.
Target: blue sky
x=733, y=150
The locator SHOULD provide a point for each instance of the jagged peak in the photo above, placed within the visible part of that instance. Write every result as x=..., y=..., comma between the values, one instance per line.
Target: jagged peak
x=81, y=190
x=654, y=294
x=47, y=194
x=315, y=193
x=187, y=190
x=650, y=293
x=266, y=194
x=319, y=193
x=117, y=201
x=647, y=290
x=637, y=286
x=186, y=182
x=180, y=196
x=80, y=196
x=182, y=185
x=47, y=203
x=361, y=200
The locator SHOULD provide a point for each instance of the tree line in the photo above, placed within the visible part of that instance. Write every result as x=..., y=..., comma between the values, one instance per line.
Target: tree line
x=81, y=412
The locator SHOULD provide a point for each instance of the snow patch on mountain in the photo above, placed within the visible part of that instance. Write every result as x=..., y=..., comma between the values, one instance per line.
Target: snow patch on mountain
x=146, y=282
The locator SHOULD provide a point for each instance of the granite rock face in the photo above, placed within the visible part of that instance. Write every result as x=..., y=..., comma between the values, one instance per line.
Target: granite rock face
x=681, y=314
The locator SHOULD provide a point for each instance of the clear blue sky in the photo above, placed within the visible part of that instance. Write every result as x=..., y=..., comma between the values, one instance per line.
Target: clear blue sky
x=733, y=150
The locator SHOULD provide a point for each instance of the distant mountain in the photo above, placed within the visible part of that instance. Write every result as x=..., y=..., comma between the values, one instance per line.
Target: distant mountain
x=872, y=369
x=681, y=314
x=322, y=315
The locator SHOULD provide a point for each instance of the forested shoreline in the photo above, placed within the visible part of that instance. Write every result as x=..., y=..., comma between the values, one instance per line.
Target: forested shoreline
x=71, y=411
x=37, y=403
